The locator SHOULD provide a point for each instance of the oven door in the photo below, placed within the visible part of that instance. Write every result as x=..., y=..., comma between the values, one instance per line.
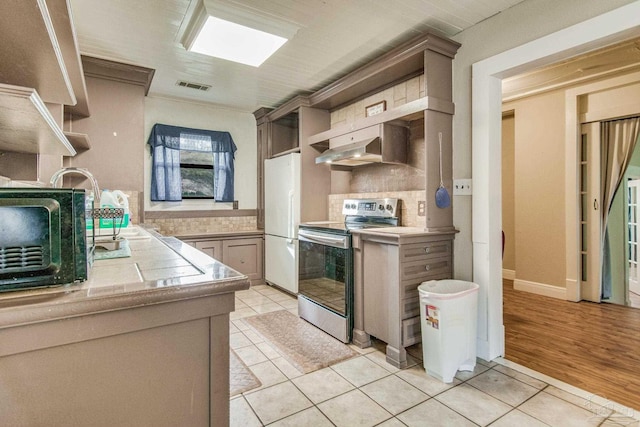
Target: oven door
x=325, y=273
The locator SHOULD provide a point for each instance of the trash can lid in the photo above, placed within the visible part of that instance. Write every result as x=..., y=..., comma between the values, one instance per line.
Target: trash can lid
x=446, y=289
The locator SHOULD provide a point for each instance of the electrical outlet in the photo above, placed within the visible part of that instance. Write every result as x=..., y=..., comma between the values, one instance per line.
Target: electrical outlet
x=422, y=208
x=461, y=187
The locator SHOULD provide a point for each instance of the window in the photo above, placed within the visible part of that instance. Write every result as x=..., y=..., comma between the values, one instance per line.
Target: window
x=191, y=164
x=196, y=173
x=196, y=166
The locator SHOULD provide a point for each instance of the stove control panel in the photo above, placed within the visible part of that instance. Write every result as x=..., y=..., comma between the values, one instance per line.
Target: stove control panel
x=370, y=207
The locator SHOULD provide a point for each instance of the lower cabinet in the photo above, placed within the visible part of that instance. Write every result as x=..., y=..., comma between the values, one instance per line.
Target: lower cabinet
x=157, y=364
x=242, y=253
x=388, y=270
x=213, y=248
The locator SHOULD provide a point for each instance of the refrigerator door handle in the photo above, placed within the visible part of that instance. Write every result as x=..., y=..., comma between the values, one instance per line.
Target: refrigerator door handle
x=290, y=224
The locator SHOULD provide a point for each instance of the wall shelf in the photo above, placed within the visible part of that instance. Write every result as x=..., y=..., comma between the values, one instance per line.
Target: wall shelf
x=408, y=112
x=27, y=124
x=79, y=141
x=65, y=33
x=31, y=54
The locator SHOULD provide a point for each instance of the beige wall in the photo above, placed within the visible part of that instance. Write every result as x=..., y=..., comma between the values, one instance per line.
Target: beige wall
x=539, y=197
x=538, y=206
x=115, y=130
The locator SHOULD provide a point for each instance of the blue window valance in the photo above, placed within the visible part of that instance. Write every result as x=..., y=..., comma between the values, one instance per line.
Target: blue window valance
x=166, y=142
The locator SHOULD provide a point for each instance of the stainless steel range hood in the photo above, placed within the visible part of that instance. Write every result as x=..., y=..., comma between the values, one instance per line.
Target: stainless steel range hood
x=381, y=143
x=354, y=154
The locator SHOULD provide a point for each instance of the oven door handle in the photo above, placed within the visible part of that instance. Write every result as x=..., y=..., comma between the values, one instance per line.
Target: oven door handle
x=336, y=242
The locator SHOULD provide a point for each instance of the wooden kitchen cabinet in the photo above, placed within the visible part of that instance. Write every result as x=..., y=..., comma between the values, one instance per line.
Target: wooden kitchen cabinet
x=389, y=267
x=285, y=134
x=245, y=256
x=142, y=344
x=213, y=248
x=243, y=253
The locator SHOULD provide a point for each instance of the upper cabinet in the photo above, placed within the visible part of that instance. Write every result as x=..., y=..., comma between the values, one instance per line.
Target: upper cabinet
x=369, y=116
x=39, y=62
x=284, y=134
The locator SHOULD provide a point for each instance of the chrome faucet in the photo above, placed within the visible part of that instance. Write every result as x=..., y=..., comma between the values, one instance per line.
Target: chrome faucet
x=57, y=178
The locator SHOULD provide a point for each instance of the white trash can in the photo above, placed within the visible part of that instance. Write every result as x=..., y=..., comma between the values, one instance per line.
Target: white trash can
x=448, y=312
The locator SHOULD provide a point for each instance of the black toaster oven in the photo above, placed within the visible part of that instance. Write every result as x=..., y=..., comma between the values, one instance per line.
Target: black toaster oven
x=43, y=237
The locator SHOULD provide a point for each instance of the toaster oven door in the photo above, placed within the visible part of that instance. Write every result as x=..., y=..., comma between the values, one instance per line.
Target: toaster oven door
x=30, y=242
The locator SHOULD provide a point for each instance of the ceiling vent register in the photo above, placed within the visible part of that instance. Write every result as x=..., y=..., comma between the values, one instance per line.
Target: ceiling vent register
x=192, y=85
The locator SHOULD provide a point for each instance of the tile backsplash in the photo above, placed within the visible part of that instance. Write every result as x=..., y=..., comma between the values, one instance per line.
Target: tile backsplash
x=185, y=226
x=385, y=177
x=408, y=202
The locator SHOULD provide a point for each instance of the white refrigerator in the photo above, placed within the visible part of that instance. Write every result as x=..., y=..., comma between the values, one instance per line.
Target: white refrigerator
x=282, y=216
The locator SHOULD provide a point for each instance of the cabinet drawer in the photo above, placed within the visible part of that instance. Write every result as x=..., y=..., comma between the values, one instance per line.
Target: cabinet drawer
x=411, y=332
x=423, y=251
x=426, y=269
x=411, y=306
x=408, y=290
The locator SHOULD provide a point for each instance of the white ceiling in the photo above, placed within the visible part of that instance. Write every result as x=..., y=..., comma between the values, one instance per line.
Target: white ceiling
x=334, y=37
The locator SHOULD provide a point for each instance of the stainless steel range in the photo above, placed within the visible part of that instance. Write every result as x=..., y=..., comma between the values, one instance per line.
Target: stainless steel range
x=325, y=272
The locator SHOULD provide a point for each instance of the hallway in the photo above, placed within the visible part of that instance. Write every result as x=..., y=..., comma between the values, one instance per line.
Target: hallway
x=595, y=347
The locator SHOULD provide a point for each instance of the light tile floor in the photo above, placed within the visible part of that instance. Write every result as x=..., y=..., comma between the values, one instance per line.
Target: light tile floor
x=367, y=391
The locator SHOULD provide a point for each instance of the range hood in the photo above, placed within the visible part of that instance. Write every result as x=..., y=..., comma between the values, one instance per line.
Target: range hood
x=354, y=154
x=383, y=143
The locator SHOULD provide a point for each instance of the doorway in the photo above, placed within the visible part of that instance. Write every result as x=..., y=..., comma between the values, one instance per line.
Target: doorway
x=486, y=154
x=533, y=197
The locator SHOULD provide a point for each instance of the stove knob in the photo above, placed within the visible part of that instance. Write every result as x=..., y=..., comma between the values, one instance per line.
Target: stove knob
x=390, y=208
x=380, y=207
x=353, y=205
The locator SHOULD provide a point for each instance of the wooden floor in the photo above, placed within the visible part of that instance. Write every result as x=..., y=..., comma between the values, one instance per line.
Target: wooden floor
x=595, y=347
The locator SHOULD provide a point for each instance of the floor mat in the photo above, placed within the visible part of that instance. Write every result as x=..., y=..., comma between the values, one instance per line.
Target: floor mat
x=241, y=378
x=302, y=344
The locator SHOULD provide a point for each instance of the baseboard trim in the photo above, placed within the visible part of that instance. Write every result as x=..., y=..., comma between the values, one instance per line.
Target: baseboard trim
x=573, y=290
x=508, y=274
x=540, y=289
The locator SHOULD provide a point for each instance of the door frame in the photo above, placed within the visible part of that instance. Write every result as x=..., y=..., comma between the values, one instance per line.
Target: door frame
x=486, y=112
x=591, y=288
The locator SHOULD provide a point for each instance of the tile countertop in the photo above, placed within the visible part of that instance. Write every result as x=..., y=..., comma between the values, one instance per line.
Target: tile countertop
x=220, y=234
x=160, y=269
x=401, y=231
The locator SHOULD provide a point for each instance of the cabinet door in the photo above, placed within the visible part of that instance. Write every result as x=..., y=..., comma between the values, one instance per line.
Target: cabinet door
x=213, y=248
x=245, y=256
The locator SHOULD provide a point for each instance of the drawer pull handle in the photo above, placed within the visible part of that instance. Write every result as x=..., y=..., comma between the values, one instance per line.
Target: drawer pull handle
x=428, y=267
x=427, y=249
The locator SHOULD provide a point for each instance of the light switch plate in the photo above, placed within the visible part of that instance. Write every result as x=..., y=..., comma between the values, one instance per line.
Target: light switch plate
x=461, y=187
